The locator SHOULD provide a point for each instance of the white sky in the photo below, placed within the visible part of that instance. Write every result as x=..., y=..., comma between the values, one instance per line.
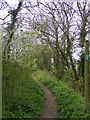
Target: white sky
x=12, y=1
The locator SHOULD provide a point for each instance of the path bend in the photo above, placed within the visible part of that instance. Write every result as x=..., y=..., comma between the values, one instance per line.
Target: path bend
x=50, y=106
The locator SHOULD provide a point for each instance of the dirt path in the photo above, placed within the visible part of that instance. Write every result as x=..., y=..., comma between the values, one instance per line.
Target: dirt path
x=50, y=110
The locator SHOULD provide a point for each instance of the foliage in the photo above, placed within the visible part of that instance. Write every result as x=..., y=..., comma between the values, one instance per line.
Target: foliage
x=68, y=77
x=22, y=98
x=70, y=103
x=43, y=57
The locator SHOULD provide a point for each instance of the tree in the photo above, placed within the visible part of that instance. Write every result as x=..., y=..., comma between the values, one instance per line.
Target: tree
x=51, y=28
x=42, y=56
x=11, y=28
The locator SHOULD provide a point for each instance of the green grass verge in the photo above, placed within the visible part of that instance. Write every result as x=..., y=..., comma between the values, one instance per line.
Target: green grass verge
x=22, y=98
x=70, y=103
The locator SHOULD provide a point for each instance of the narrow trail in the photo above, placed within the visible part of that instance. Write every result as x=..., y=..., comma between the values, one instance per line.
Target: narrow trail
x=50, y=106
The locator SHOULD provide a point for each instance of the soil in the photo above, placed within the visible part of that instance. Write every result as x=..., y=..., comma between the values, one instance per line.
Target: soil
x=50, y=106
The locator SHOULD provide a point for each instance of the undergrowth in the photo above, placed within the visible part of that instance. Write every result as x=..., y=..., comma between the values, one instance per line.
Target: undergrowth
x=70, y=103
x=22, y=97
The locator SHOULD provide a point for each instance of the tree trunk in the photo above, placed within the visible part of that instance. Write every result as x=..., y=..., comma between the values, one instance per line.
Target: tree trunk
x=11, y=29
x=73, y=68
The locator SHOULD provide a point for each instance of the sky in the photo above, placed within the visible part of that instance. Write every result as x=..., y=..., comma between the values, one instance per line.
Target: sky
x=12, y=1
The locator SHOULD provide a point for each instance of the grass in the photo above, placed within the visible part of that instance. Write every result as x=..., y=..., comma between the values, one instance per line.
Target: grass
x=70, y=103
x=22, y=98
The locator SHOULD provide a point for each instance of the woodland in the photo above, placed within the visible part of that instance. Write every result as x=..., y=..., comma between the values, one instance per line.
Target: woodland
x=43, y=39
